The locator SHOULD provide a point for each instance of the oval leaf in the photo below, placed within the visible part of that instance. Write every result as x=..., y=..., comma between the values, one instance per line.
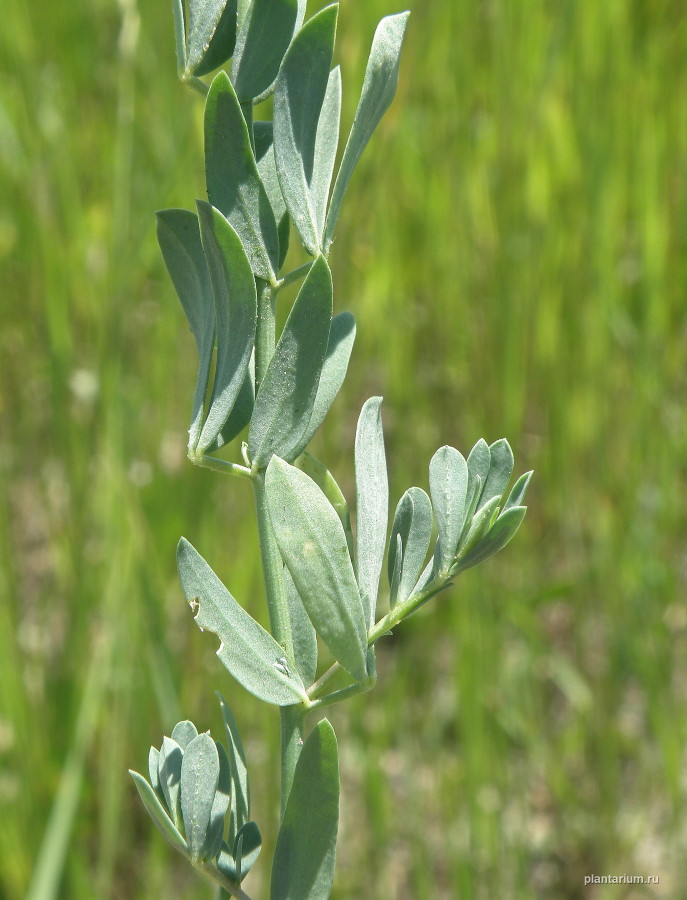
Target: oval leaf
x=265, y=34
x=199, y=779
x=413, y=525
x=500, y=470
x=313, y=546
x=479, y=461
x=305, y=854
x=334, y=368
x=246, y=650
x=236, y=313
x=448, y=484
x=379, y=87
x=372, y=503
x=298, y=98
x=183, y=733
x=233, y=182
x=178, y=235
x=286, y=397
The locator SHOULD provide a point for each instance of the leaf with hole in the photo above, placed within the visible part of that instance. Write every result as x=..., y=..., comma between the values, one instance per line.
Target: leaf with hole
x=246, y=650
x=313, y=546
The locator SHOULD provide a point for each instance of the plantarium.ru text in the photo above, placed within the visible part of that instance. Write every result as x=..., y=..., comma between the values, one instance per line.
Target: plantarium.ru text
x=266, y=182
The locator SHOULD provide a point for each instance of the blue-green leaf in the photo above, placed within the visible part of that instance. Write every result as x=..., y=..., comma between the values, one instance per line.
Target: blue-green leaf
x=334, y=368
x=267, y=167
x=178, y=234
x=199, y=779
x=240, y=788
x=154, y=772
x=220, y=805
x=324, y=479
x=518, y=491
x=413, y=525
x=479, y=526
x=379, y=87
x=479, y=462
x=448, y=483
x=236, y=863
x=169, y=773
x=212, y=34
x=241, y=414
x=183, y=733
x=372, y=503
x=286, y=397
x=302, y=631
x=313, y=546
x=298, y=98
x=158, y=813
x=500, y=533
x=233, y=181
x=246, y=650
x=305, y=855
x=395, y=567
x=264, y=37
x=235, y=296
x=500, y=470
x=326, y=145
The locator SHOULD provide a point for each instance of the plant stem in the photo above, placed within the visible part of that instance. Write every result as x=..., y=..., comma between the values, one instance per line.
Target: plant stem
x=219, y=465
x=294, y=275
x=292, y=717
x=230, y=887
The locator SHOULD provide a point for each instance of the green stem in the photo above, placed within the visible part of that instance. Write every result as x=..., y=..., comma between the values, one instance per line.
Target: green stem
x=234, y=890
x=219, y=465
x=294, y=275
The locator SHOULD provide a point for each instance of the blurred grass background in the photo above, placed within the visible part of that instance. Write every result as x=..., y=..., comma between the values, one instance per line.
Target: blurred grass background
x=514, y=249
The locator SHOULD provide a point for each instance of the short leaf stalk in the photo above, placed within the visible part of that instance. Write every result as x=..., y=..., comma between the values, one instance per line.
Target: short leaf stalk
x=265, y=180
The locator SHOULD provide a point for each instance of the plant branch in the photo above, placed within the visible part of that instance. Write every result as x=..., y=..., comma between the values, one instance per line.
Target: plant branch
x=219, y=465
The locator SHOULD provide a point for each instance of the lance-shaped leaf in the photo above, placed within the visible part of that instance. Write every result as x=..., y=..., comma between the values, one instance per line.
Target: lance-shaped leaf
x=240, y=789
x=158, y=813
x=286, y=397
x=334, y=368
x=448, y=484
x=235, y=296
x=302, y=631
x=372, y=503
x=500, y=470
x=178, y=234
x=199, y=779
x=298, y=98
x=305, y=854
x=169, y=774
x=313, y=546
x=379, y=87
x=212, y=34
x=183, y=733
x=500, y=533
x=246, y=650
x=264, y=37
x=233, y=181
x=324, y=479
x=518, y=491
x=413, y=525
x=220, y=805
x=326, y=145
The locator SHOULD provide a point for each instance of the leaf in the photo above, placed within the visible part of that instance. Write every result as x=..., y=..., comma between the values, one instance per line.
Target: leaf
x=154, y=772
x=267, y=168
x=302, y=632
x=240, y=791
x=313, y=546
x=199, y=779
x=212, y=34
x=241, y=414
x=220, y=805
x=326, y=145
x=413, y=526
x=479, y=462
x=500, y=533
x=169, y=773
x=286, y=397
x=324, y=479
x=372, y=503
x=518, y=491
x=298, y=99
x=178, y=235
x=500, y=470
x=264, y=37
x=157, y=813
x=183, y=733
x=379, y=87
x=334, y=368
x=305, y=854
x=236, y=313
x=479, y=526
x=233, y=181
x=249, y=842
x=246, y=650
x=448, y=484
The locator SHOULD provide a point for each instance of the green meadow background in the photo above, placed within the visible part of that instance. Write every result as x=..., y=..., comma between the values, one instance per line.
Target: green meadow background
x=514, y=248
